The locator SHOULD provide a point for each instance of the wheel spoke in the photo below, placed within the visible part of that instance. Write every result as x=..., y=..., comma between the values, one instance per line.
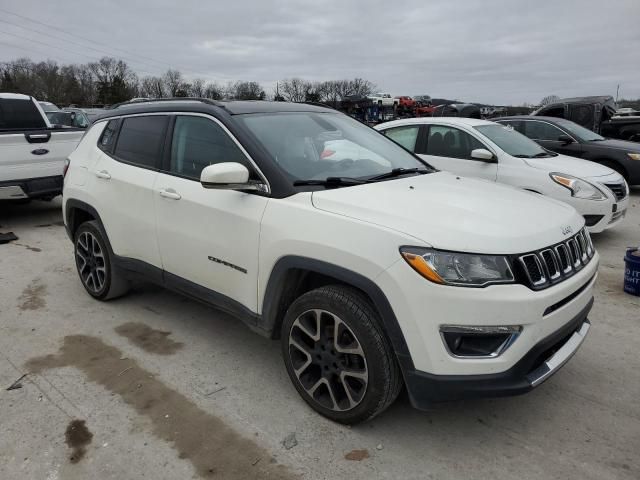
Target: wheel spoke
x=328, y=360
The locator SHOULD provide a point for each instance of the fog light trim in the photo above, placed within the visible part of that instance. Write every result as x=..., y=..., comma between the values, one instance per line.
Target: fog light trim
x=466, y=341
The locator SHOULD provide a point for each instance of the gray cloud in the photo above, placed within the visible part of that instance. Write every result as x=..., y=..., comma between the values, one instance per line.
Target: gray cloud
x=493, y=51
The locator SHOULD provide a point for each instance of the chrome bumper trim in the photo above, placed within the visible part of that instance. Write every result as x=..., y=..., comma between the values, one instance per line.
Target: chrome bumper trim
x=559, y=358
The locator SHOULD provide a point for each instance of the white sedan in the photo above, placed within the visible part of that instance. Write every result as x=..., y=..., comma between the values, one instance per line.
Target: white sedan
x=478, y=148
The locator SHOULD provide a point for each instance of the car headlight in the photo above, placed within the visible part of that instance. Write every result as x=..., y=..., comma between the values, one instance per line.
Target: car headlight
x=634, y=156
x=459, y=269
x=579, y=188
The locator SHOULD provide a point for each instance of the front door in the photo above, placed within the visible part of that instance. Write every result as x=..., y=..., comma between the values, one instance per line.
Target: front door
x=208, y=238
x=548, y=136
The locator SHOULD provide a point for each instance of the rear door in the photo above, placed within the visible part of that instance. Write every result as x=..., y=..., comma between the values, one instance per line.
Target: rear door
x=449, y=148
x=122, y=184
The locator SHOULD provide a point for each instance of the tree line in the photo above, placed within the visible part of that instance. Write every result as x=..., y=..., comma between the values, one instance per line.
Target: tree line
x=110, y=80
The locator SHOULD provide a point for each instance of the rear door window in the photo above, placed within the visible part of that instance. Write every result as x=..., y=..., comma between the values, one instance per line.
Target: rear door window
x=16, y=114
x=141, y=140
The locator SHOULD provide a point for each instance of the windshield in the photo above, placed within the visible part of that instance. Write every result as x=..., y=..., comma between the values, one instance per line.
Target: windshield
x=576, y=130
x=308, y=145
x=512, y=142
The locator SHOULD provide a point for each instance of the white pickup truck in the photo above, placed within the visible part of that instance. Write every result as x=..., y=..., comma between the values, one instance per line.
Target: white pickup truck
x=32, y=152
x=383, y=99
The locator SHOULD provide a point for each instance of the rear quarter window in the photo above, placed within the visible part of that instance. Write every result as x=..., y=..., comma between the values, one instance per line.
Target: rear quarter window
x=20, y=115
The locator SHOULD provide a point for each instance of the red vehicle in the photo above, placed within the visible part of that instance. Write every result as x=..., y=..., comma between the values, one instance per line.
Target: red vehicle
x=406, y=102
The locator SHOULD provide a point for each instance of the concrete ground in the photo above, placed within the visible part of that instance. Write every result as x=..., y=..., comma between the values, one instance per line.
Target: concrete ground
x=156, y=386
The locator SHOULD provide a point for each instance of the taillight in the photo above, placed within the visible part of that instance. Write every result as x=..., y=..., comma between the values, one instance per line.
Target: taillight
x=326, y=153
x=65, y=168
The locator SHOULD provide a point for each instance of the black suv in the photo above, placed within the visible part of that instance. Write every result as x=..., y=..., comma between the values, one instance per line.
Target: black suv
x=569, y=138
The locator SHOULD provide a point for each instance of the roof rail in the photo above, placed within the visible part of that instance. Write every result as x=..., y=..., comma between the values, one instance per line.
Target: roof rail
x=170, y=99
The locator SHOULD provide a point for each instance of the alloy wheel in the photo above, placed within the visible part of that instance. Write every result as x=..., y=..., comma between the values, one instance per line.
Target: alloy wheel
x=91, y=262
x=328, y=360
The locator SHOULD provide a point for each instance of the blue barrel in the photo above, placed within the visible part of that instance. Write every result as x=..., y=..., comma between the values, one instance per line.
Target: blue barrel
x=632, y=271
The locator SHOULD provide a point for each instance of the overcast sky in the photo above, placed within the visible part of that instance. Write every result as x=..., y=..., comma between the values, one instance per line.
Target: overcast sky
x=488, y=51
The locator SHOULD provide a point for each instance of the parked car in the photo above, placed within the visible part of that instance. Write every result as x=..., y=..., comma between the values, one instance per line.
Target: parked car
x=423, y=100
x=569, y=138
x=488, y=150
x=468, y=110
x=49, y=107
x=595, y=113
x=371, y=274
x=383, y=99
x=79, y=117
x=406, y=102
x=32, y=151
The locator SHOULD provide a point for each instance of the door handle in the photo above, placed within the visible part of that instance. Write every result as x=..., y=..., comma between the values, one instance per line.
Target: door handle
x=170, y=193
x=103, y=174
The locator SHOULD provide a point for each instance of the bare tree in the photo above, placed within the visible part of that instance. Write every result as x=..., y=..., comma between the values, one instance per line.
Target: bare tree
x=152, y=87
x=197, y=88
x=214, y=91
x=549, y=99
x=245, y=91
x=172, y=82
x=294, y=89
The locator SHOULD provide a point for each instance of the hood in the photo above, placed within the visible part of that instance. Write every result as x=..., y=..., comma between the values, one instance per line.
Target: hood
x=571, y=165
x=456, y=213
x=632, y=147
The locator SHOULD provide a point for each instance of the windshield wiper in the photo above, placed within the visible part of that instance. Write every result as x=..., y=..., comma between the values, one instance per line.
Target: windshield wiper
x=541, y=155
x=396, y=172
x=330, y=182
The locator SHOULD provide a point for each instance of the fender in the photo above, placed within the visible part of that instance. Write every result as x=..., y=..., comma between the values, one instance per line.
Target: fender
x=276, y=287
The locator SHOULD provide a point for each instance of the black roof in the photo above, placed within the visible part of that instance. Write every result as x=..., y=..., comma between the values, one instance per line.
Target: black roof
x=528, y=117
x=203, y=105
x=590, y=99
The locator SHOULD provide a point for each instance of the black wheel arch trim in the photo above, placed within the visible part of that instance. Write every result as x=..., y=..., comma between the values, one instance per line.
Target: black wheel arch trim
x=276, y=288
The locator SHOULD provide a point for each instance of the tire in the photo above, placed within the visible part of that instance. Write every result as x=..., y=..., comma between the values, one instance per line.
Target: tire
x=615, y=166
x=348, y=381
x=99, y=276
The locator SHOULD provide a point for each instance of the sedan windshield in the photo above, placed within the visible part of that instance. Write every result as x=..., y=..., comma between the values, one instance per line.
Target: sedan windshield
x=317, y=146
x=512, y=142
x=583, y=134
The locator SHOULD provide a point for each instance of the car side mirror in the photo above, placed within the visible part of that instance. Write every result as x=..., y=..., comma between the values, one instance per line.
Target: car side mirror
x=227, y=176
x=483, y=155
x=565, y=139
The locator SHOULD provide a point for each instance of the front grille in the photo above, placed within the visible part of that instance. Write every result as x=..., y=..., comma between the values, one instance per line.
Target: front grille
x=548, y=266
x=618, y=189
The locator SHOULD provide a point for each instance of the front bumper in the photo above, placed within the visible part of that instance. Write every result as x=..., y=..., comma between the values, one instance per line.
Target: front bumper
x=536, y=366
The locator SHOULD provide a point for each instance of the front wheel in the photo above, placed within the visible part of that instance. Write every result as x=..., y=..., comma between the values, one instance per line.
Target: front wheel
x=337, y=355
x=99, y=276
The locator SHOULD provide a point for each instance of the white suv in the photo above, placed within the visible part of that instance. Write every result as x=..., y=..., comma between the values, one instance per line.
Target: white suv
x=495, y=152
x=373, y=273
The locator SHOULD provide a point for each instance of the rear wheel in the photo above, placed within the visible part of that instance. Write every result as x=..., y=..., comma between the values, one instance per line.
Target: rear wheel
x=337, y=355
x=99, y=276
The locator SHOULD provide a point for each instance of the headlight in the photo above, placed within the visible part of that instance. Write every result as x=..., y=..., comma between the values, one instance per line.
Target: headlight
x=579, y=188
x=634, y=156
x=460, y=269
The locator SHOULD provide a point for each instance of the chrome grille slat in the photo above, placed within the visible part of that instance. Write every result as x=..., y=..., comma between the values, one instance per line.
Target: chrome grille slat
x=619, y=190
x=548, y=266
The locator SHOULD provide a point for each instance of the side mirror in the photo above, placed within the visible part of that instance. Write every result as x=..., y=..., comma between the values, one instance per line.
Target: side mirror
x=565, y=139
x=483, y=155
x=227, y=176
